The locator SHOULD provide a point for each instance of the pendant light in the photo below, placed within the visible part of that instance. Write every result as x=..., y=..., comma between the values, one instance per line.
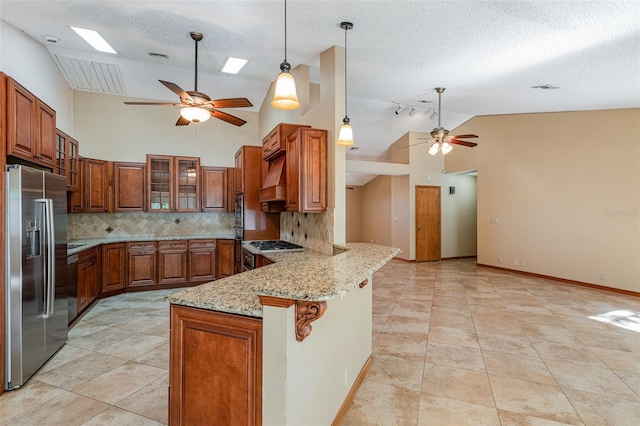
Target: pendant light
x=285, y=97
x=345, y=137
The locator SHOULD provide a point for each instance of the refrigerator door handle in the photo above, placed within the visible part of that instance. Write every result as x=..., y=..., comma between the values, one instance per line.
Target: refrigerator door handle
x=51, y=257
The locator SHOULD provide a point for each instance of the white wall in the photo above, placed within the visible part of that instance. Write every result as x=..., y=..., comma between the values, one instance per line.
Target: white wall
x=354, y=214
x=376, y=211
x=30, y=64
x=564, y=189
x=110, y=130
x=305, y=383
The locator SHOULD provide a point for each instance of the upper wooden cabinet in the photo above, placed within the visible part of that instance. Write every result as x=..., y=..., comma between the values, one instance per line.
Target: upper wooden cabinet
x=129, y=182
x=173, y=184
x=273, y=145
x=97, y=185
x=31, y=126
x=75, y=199
x=307, y=170
x=67, y=159
x=215, y=182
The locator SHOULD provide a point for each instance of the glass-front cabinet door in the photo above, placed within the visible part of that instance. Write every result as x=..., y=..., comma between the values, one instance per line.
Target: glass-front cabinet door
x=73, y=157
x=160, y=183
x=61, y=154
x=187, y=184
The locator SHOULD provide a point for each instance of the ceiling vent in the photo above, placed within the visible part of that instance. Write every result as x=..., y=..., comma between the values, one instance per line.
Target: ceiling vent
x=91, y=76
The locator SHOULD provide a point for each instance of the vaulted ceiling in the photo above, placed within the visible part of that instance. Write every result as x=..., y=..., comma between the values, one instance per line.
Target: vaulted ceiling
x=488, y=54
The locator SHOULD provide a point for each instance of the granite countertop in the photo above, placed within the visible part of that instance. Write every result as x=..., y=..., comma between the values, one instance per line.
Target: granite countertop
x=88, y=243
x=305, y=275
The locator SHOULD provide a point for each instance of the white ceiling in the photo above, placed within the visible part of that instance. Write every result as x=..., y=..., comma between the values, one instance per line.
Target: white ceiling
x=487, y=54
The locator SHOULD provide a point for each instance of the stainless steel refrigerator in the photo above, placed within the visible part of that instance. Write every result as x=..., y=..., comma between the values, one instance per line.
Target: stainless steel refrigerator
x=36, y=271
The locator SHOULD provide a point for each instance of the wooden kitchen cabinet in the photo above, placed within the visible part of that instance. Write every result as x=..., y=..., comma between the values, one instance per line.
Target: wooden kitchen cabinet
x=67, y=159
x=238, y=256
x=172, y=262
x=306, y=168
x=31, y=126
x=238, y=177
x=214, y=353
x=173, y=184
x=114, y=259
x=226, y=258
x=261, y=261
x=89, y=275
x=215, y=182
x=129, y=182
x=274, y=144
x=96, y=185
x=141, y=264
x=202, y=260
x=231, y=193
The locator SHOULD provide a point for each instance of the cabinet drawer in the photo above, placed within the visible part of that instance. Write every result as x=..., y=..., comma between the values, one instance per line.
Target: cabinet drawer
x=196, y=244
x=173, y=245
x=141, y=246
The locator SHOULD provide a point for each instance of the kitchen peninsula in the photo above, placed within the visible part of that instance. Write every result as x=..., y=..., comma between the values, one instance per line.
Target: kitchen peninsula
x=285, y=344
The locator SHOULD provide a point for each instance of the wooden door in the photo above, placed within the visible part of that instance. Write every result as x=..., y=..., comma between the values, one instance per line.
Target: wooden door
x=96, y=186
x=141, y=261
x=214, y=189
x=46, y=135
x=22, y=122
x=202, y=260
x=160, y=190
x=113, y=267
x=61, y=155
x=129, y=180
x=215, y=373
x=313, y=171
x=172, y=262
x=225, y=252
x=187, y=184
x=76, y=198
x=427, y=223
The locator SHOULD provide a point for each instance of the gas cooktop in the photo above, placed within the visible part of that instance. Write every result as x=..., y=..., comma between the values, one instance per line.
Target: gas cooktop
x=276, y=245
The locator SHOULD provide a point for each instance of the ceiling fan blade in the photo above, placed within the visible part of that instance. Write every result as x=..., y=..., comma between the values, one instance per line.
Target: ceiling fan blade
x=419, y=143
x=177, y=90
x=463, y=143
x=464, y=136
x=230, y=103
x=154, y=103
x=227, y=117
x=182, y=121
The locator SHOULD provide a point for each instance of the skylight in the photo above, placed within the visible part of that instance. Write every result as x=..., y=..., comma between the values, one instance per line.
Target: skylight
x=233, y=65
x=94, y=39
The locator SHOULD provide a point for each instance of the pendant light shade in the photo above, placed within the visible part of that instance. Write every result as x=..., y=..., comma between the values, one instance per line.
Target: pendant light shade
x=195, y=114
x=345, y=137
x=285, y=97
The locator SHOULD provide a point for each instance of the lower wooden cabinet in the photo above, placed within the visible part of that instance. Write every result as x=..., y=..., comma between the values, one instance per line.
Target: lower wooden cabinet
x=141, y=261
x=114, y=272
x=88, y=277
x=226, y=258
x=215, y=368
x=202, y=260
x=172, y=262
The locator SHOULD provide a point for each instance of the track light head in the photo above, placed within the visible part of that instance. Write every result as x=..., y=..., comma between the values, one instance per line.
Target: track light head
x=398, y=108
x=433, y=115
x=412, y=111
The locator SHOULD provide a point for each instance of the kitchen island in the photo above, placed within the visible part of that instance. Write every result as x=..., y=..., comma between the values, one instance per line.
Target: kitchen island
x=285, y=344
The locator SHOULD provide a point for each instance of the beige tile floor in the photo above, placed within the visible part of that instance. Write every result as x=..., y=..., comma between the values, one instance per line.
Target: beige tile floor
x=454, y=344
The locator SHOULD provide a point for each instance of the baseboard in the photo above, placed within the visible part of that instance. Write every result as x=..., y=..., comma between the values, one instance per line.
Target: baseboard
x=352, y=392
x=563, y=280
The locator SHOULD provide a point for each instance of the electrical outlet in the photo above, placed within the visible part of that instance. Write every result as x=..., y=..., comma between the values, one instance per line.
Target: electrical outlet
x=603, y=276
x=499, y=259
x=493, y=220
x=516, y=262
x=522, y=263
x=346, y=375
x=166, y=227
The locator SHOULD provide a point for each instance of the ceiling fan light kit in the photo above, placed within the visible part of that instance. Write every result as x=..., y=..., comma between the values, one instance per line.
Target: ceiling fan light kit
x=195, y=114
x=345, y=136
x=285, y=97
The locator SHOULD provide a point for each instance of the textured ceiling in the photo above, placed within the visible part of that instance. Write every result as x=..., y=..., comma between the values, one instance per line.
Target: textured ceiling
x=487, y=54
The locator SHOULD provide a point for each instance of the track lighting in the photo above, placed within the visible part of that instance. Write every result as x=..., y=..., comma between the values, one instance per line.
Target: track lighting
x=433, y=115
x=398, y=108
x=412, y=111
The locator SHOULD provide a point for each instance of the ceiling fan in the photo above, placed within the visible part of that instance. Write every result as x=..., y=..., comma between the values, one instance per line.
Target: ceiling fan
x=440, y=137
x=197, y=106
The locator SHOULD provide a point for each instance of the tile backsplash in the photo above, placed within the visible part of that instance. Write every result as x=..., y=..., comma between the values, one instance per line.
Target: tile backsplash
x=311, y=230
x=106, y=225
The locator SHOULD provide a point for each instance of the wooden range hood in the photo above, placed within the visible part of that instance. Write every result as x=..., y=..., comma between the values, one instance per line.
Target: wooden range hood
x=274, y=187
